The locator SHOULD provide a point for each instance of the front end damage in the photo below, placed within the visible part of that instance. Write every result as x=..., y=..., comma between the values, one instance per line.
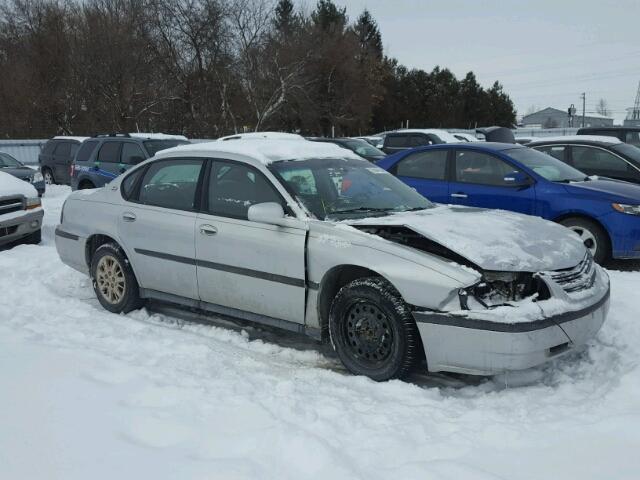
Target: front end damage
x=508, y=320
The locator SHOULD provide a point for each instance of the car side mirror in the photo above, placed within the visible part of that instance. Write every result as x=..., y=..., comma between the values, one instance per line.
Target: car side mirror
x=517, y=179
x=267, y=212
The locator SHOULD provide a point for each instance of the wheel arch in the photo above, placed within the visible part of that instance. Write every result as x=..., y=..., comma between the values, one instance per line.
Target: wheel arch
x=96, y=240
x=332, y=281
x=585, y=216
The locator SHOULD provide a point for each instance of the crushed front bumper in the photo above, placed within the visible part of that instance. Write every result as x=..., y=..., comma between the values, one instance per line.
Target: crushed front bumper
x=455, y=343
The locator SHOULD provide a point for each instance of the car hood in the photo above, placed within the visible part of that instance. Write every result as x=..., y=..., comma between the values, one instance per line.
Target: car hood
x=20, y=172
x=615, y=189
x=492, y=239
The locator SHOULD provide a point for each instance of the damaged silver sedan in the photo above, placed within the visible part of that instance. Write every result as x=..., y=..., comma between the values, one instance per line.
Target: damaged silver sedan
x=308, y=237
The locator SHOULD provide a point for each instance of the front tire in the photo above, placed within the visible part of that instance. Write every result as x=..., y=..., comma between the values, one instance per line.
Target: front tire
x=592, y=235
x=113, y=280
x=373, y=331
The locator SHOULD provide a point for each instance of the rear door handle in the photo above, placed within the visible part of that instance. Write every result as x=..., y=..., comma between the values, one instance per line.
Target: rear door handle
x=459, y=195
x=208, y=230
x=129, y=217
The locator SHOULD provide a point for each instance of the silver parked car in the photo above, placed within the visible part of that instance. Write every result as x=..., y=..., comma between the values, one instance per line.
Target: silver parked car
x=309, y=237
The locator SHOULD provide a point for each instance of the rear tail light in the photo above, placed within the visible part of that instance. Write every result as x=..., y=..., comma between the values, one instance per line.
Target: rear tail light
x=72, y=169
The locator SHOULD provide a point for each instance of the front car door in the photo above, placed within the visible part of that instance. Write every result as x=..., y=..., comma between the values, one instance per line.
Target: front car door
x=426, y=172
x=479, y=181
x=594, y=160
x=245, y=265
x=157, y=224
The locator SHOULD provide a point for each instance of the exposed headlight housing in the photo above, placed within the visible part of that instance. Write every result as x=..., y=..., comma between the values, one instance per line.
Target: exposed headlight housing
x=33, y=202
x=37, y=177
x=628, y=209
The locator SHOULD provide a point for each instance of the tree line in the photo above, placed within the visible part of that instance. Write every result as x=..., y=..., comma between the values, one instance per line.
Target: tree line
x=207, y=68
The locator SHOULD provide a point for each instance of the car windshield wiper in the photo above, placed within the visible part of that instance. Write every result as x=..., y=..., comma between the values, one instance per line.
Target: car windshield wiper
x=363, y=210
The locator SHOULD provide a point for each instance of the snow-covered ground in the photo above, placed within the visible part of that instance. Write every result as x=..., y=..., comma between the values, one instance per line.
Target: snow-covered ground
x=85, y=394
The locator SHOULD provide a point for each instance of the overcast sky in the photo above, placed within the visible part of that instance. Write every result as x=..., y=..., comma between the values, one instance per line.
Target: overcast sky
x=544, y=52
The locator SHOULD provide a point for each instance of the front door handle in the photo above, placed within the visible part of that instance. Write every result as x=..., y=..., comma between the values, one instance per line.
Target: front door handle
x=129, y=217
x=459, y=195
x=208, y=230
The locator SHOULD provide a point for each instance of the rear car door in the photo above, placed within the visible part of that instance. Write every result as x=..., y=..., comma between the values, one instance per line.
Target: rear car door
x=598, y=161
x=426, y=172
x=479, y=181
x=131, y=154
x=107, y=162
x=61, y=161
x=245, y=265
x=157, y=224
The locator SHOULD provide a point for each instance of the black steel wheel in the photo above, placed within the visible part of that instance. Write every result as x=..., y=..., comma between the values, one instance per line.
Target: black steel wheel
x=373, y=331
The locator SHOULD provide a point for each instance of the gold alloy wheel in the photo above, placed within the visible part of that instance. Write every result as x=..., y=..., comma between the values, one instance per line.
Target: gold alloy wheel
x=110, y=279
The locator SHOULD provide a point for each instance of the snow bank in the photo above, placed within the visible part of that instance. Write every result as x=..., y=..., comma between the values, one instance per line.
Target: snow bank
x=88, y=394
x=10, y=185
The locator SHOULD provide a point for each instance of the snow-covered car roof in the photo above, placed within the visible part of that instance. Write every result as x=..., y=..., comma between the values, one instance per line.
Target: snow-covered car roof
x=10, y=185
x=577, y=138
x=69, y=137
x=265, y=150
x=262, y=136
x=158, y=136
x=442, y=134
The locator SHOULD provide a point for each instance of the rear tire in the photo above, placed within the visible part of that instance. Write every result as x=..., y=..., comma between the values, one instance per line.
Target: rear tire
x=372, y=330
x=49, y=179
x=593, y=235
x=113, y=280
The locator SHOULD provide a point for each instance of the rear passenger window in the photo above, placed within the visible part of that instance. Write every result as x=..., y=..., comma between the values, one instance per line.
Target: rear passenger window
x=397, y=141
x=109, y=152
x=428, y=165
x=131, y=154
x=233, y=188
x=48, y=147
x=171, y=184
x=86, y=149
x=590, y=159
x=556, y=151
x=63, y=150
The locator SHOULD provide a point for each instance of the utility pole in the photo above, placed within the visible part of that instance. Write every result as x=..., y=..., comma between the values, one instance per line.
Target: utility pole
x=584, y=101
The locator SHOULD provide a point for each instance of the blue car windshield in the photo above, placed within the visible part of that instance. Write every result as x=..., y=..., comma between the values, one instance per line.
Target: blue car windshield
x=338, y=188
x=545, y=165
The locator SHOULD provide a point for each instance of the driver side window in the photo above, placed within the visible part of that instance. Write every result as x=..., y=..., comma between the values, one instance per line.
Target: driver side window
x=234, y=187
x=481, y=169
x=171, y=184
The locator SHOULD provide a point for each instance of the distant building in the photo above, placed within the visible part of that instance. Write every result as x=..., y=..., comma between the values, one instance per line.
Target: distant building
x=633, y=117
x=554, y=118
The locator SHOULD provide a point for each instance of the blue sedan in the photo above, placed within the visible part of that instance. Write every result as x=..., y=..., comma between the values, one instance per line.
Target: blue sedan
x=604, y=212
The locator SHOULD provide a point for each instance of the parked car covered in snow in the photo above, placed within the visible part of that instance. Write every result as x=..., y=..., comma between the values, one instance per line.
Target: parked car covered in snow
x=20, y=211
x=311, y=238
x=10, y=165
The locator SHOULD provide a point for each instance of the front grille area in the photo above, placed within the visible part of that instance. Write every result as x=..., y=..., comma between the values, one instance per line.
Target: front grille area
x=11, y=204
x=578, y=278
x=4, y=231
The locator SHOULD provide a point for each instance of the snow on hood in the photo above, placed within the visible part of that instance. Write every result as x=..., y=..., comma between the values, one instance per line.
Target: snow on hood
x=10, y=185
x=493, y=239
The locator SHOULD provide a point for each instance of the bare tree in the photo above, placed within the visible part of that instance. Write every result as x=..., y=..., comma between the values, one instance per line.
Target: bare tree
x=602, y=108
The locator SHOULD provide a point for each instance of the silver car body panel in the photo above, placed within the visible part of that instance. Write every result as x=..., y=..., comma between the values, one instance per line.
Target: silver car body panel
x=278, y=275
